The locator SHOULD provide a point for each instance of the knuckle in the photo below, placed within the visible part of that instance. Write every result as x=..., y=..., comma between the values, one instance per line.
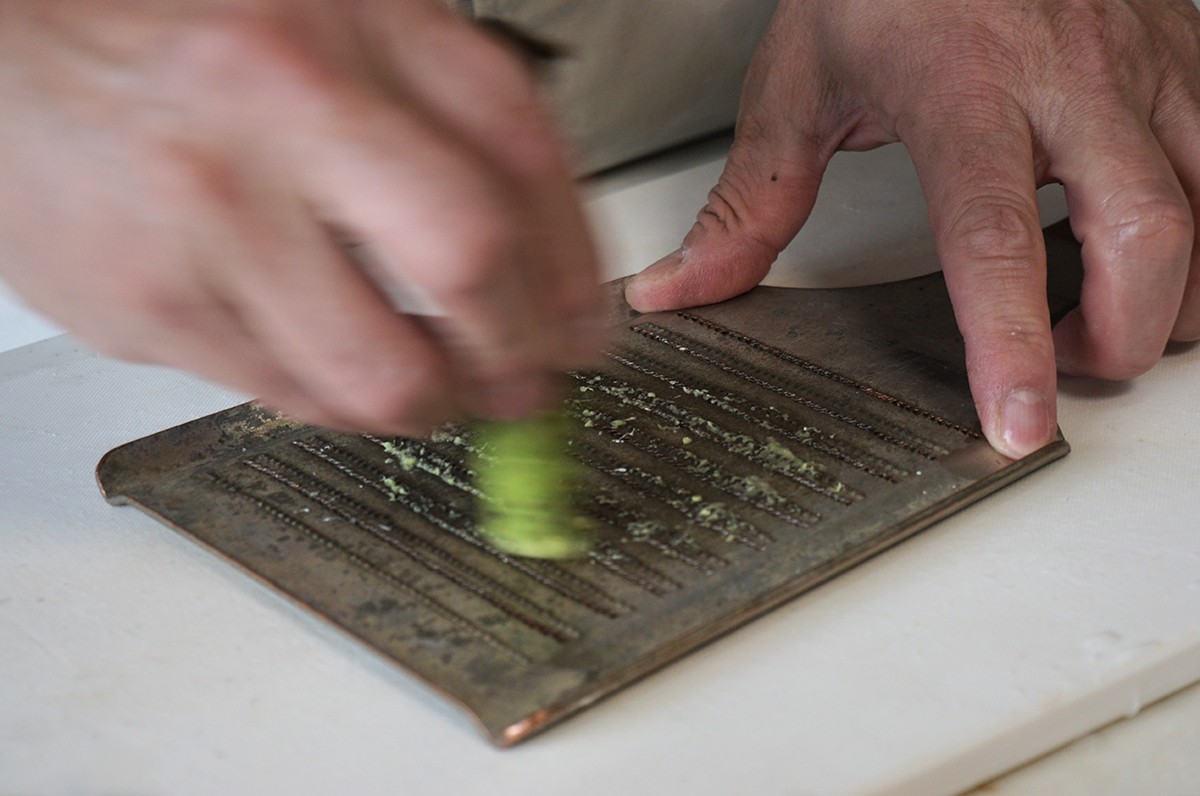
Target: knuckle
x=995, y=229
x=231, y=31
x=1104, y=46
x=469, y=234
x=977, y=66
x=1161, y=224
x=191, y=178
x=224, y=39
x=759, y=128
x=731, y=209
x=240, y=53
x=1089, y=33
x=725, y=207
x=1080, y=24
x=475, y=256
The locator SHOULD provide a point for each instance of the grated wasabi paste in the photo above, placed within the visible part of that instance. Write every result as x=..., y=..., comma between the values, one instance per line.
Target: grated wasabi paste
x=528, y=478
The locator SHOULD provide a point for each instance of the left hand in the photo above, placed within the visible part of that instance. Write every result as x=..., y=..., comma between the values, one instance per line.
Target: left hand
x=993, y=99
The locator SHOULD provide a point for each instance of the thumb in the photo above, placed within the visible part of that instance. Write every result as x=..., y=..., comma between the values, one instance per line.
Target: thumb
x=759, y=204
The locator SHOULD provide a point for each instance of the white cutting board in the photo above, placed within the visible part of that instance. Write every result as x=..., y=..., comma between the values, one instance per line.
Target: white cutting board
x=132, y=661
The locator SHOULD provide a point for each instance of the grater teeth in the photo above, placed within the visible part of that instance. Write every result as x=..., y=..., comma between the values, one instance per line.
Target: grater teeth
x=827, y=373
x=810, y=399
x=732, y=457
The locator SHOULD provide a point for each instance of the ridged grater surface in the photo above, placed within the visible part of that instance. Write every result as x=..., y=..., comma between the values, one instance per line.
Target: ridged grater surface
x=735, y=456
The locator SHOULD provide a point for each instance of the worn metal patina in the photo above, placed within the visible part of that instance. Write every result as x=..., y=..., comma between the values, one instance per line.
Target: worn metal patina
x=732, y=457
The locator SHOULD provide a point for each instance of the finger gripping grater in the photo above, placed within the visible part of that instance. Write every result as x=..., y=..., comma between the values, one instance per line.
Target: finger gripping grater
x=733, y=457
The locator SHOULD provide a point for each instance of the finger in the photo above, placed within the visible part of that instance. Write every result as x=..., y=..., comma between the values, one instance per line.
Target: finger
x=439, y=219
x=977, y=172
x=783, y=142
x=215, y=347
x=1134, y=221
x=488, y=96
x=318, y=317
x=1178, y=139
x=760, y=202
x=181, y=326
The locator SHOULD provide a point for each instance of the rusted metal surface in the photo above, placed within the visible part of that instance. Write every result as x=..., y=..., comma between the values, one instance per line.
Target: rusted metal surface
x=737, y=455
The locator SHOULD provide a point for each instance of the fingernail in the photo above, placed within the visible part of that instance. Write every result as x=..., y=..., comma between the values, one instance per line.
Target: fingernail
x=515, y=398
x=638, y=291
x=1025, y=422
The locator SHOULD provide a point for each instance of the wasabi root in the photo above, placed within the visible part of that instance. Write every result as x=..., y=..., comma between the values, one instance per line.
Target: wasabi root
x=527, y=478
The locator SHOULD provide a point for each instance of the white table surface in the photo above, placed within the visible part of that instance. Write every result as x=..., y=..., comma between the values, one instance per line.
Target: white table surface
x=132, y=661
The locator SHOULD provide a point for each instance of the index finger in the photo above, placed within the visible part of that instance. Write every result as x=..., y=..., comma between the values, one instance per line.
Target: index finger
x=977, y=173
x=491, y=99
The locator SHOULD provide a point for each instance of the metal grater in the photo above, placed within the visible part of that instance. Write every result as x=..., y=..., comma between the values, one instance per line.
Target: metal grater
x=736, y=455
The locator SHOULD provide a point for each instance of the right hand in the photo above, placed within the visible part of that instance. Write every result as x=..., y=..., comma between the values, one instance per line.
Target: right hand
x=173, y=177
x=992, y=99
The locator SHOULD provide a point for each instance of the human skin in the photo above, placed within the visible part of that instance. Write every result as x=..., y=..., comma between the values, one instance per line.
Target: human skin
x=176, y=176
x=993, y=99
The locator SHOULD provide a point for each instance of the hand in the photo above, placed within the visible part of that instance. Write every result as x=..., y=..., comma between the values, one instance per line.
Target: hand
x=992, y=99
x=175, y=176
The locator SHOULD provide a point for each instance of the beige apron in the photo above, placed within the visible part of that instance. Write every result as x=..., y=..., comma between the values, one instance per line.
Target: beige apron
x=642, y=75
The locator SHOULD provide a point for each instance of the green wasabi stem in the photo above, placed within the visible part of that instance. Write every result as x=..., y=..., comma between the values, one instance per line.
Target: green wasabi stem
x=528, y=478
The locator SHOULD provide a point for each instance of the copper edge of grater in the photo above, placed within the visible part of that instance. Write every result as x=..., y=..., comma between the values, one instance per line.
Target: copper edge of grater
x=735, y=456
